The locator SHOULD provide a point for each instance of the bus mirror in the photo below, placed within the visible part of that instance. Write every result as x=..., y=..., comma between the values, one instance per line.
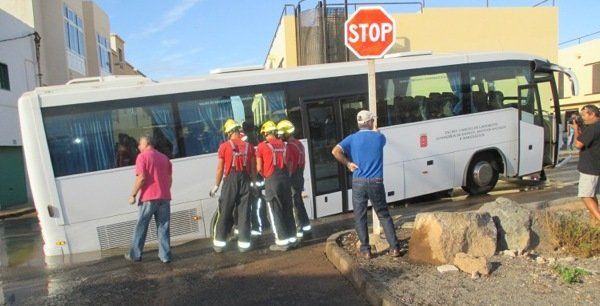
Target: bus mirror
x=574, y=86
x=571, y=75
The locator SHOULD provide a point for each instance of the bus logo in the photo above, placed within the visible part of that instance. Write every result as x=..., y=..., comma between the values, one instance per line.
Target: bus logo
x=423, y=141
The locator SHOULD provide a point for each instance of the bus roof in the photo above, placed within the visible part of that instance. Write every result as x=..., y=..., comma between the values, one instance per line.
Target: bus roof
x=119, y=87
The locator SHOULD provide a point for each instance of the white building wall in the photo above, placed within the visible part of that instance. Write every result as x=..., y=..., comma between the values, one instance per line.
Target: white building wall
x=19, y=56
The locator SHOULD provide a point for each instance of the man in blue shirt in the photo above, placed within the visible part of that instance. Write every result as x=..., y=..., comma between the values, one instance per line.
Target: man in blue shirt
x=362, y=154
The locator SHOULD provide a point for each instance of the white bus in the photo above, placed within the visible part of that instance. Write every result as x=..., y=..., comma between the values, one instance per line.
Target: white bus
x=454, y=120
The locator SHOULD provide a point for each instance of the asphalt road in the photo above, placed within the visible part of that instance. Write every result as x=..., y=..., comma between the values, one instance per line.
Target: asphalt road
x=199, y=276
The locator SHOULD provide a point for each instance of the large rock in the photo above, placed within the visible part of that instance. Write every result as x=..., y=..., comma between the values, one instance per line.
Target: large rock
x=513, y=223
x=472, y=264
x=438, y=236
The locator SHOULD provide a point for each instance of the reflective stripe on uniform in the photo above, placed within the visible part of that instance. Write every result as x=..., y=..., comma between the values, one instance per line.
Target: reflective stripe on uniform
x=260, y=225
x=275, y=151
x=274, y=226
x=237, y=153
x=243, y=245
x=218, y=243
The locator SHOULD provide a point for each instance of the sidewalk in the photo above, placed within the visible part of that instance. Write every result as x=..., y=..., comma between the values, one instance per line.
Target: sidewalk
x=370, y=287
x=17, y=211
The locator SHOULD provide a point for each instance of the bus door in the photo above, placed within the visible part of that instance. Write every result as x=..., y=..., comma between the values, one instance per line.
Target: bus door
x=548, y=97
x=329, y=120
x=531, y=131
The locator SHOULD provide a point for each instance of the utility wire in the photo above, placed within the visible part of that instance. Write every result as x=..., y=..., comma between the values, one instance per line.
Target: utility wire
x=20, y=37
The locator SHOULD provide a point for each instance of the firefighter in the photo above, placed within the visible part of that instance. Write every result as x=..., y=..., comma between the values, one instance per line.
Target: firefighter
x=297, y=160
x=236, y=168
x=271, y=164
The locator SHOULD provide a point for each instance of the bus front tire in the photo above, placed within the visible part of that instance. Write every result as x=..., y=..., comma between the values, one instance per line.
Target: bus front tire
x=482, y=174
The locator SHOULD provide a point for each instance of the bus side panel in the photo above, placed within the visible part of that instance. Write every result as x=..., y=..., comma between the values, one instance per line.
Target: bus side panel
x=422, y=141
x=192, y=179
x=117, y=232
x=38, y=170
x=95, y=204
x=428, y=175
x=393, y=179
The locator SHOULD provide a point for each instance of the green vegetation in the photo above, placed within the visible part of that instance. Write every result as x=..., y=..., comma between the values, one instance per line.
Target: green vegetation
x=574, y=235
x=570, y=275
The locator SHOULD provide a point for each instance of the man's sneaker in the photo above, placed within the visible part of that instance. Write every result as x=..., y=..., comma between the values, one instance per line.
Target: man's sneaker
x=394, y=252
x=364, y=254
x=128, y=257
x=281, y=248
x=218, y=249
x=166, y=261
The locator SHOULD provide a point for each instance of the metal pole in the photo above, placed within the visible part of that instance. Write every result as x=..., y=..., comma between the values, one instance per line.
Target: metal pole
x=300, y=56
x=373, y=109
x=346, y=18
x=37, y=39
x=324, y=23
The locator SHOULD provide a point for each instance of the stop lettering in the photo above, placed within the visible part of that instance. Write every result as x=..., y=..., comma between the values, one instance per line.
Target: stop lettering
x=370, y=32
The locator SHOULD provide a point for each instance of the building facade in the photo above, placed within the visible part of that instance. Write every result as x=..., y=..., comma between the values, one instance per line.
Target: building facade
x=17, y=75
x=316, y=35
x=584, y=60
x=43, y=43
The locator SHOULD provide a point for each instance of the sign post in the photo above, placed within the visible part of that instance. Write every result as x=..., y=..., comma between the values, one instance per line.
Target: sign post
x=369, y=33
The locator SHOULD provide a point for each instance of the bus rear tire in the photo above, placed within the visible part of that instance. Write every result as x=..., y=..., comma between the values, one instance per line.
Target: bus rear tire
x=482, y=174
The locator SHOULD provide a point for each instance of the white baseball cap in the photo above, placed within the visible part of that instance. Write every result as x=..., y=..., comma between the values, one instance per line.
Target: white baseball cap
x=364, y=116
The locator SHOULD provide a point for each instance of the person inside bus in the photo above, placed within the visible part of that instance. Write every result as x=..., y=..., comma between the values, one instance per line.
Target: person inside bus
x=235, y=167
x=362, y=154
x=250, y=131
x=126, y=150
x=154, y=177
x=296, y=153
x=587, y=140
x=271, y=163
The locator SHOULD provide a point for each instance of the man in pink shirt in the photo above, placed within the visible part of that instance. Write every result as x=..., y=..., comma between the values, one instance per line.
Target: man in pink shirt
x=153, y=172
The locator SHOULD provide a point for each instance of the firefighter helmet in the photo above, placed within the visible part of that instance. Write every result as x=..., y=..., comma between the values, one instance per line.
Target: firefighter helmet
x=230, y=125
x=268, y=127
x=285, y=127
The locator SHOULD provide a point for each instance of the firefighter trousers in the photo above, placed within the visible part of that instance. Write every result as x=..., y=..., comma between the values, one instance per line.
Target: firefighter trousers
x=279, y=202
x=235, y=195
x=300, y=215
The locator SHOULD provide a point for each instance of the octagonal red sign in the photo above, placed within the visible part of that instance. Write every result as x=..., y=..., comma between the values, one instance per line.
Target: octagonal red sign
x=370, y=32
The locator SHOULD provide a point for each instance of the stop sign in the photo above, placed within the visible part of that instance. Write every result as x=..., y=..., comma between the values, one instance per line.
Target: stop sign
x=370, y=32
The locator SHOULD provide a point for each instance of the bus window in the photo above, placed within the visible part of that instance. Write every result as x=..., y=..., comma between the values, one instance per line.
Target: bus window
x=104, y=138
x=421, y=97
x=202, y=119
x=497, y=87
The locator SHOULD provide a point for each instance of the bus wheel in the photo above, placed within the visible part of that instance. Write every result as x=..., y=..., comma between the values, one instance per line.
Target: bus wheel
x=482, y=175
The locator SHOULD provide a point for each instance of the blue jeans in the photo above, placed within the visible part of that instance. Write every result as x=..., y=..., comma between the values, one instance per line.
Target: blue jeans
x=364, y=189
x=161, y=210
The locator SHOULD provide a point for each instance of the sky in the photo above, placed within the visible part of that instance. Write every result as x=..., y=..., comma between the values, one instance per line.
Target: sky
x=179, y=38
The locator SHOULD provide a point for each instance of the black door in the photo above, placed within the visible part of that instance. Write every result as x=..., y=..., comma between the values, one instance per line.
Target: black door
x=329, y=120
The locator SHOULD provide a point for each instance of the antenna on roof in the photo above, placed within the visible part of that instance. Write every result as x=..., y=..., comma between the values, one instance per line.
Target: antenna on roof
x=236, y=69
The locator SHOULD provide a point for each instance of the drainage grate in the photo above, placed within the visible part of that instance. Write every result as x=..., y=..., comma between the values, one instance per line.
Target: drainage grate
x=119, y=235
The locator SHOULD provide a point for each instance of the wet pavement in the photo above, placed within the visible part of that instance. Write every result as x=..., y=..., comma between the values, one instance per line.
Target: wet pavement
x=199, y=276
